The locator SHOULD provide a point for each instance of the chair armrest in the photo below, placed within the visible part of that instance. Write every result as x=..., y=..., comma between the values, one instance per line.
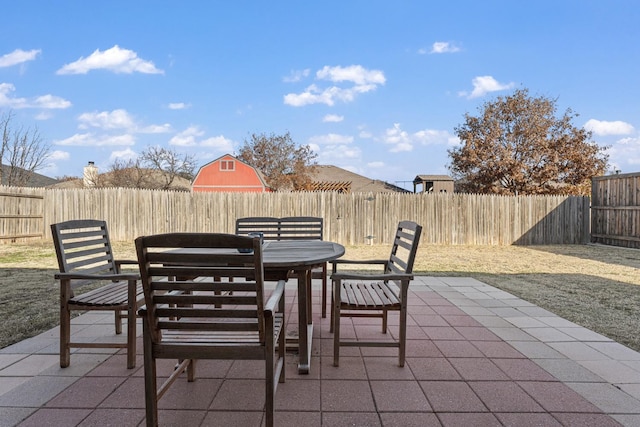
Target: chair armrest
x=350, y=276
x=270, y=306
x=129, y=276
x=120, y=262
x=353, y=261
x=126, y=261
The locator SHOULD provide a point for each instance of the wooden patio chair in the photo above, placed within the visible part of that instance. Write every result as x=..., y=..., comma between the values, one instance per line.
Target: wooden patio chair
x=181, y=278
x=290, y=228
x=374, y=295
x=85, y=257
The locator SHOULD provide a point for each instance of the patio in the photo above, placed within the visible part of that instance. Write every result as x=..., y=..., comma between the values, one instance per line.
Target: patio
x=476, y=356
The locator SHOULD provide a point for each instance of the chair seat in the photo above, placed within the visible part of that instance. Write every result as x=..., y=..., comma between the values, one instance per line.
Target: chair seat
x=229, y=338
x=112, y=294
x=368, y=296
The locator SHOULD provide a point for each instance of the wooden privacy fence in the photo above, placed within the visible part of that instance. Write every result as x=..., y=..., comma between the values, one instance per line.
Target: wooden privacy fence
x=350, y=219
x=21, y=213
x=615, y=211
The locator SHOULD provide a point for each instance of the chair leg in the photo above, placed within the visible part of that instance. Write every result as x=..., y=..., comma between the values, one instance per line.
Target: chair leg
x=118, y=321
x=403, y=336
x=65, y=324
x=65, y=336
x=131, y=325
x=324, y=290
x=131, y=339
x=384, y=321
x=270, y=381
x=335, y=318
x=191, y=371
x=150, y=383
x=269, y=392
x=331, y=314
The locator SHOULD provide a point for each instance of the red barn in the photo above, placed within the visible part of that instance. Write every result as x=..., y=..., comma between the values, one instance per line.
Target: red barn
x=229, y=174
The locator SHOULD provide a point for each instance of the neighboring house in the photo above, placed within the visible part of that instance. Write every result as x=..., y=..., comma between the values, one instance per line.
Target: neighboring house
x=35, y=180
x=433, y=184
x=333, y=178
x=229, y=174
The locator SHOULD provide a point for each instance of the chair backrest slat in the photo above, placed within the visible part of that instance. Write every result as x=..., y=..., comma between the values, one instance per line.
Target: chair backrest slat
x=186, y=278
x=268, y=226
x=405, y=246
x=83, y=246
x=288, y=228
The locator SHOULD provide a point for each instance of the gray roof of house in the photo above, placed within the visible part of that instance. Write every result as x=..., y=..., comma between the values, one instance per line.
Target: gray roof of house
x=36, y=180
x=359, y=183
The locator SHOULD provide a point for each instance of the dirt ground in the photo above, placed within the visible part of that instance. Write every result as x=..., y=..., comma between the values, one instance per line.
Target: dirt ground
x=595, y=286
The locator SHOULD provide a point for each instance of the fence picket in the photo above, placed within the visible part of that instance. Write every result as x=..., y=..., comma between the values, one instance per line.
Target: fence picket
x=351, y=219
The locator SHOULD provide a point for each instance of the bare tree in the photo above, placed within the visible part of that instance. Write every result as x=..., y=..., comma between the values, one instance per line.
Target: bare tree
x=285, y=166
x=128, y=174
x=517, y=145
x=171, y=163
x=23, y=151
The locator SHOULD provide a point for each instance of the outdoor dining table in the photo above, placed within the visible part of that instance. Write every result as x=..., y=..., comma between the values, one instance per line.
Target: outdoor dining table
x=279, y=259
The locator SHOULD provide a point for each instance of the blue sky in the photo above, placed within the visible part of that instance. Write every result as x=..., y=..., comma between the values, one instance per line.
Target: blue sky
x=376, y=87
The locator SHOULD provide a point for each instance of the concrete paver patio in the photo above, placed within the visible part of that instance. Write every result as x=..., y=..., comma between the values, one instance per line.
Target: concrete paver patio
x=477, y=356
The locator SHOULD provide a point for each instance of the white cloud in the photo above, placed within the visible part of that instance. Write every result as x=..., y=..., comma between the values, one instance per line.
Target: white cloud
x=334, y=148
x=116, y=119
x=332, y=118
x=338, y=153
x=311, y=95
x=354, y=73
x=376, y=165
x=186, y=138
x=436, y=137
x=360, y=79
x=219, y=143
x=331, y=139
x=401, y=140
x=50, y=102
x=124, y=155
x=441, y=47
x=296, y=75
x=329, y=96
x=603, y=128
x=190, y=137
x=165, y=128
x=59, y=155
x=43, y=101
x=624, y=154
x=486, y=84
x=18, y=56
x=92, y=140
x=364, y=133
x=178, y=106
x=114, y=59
